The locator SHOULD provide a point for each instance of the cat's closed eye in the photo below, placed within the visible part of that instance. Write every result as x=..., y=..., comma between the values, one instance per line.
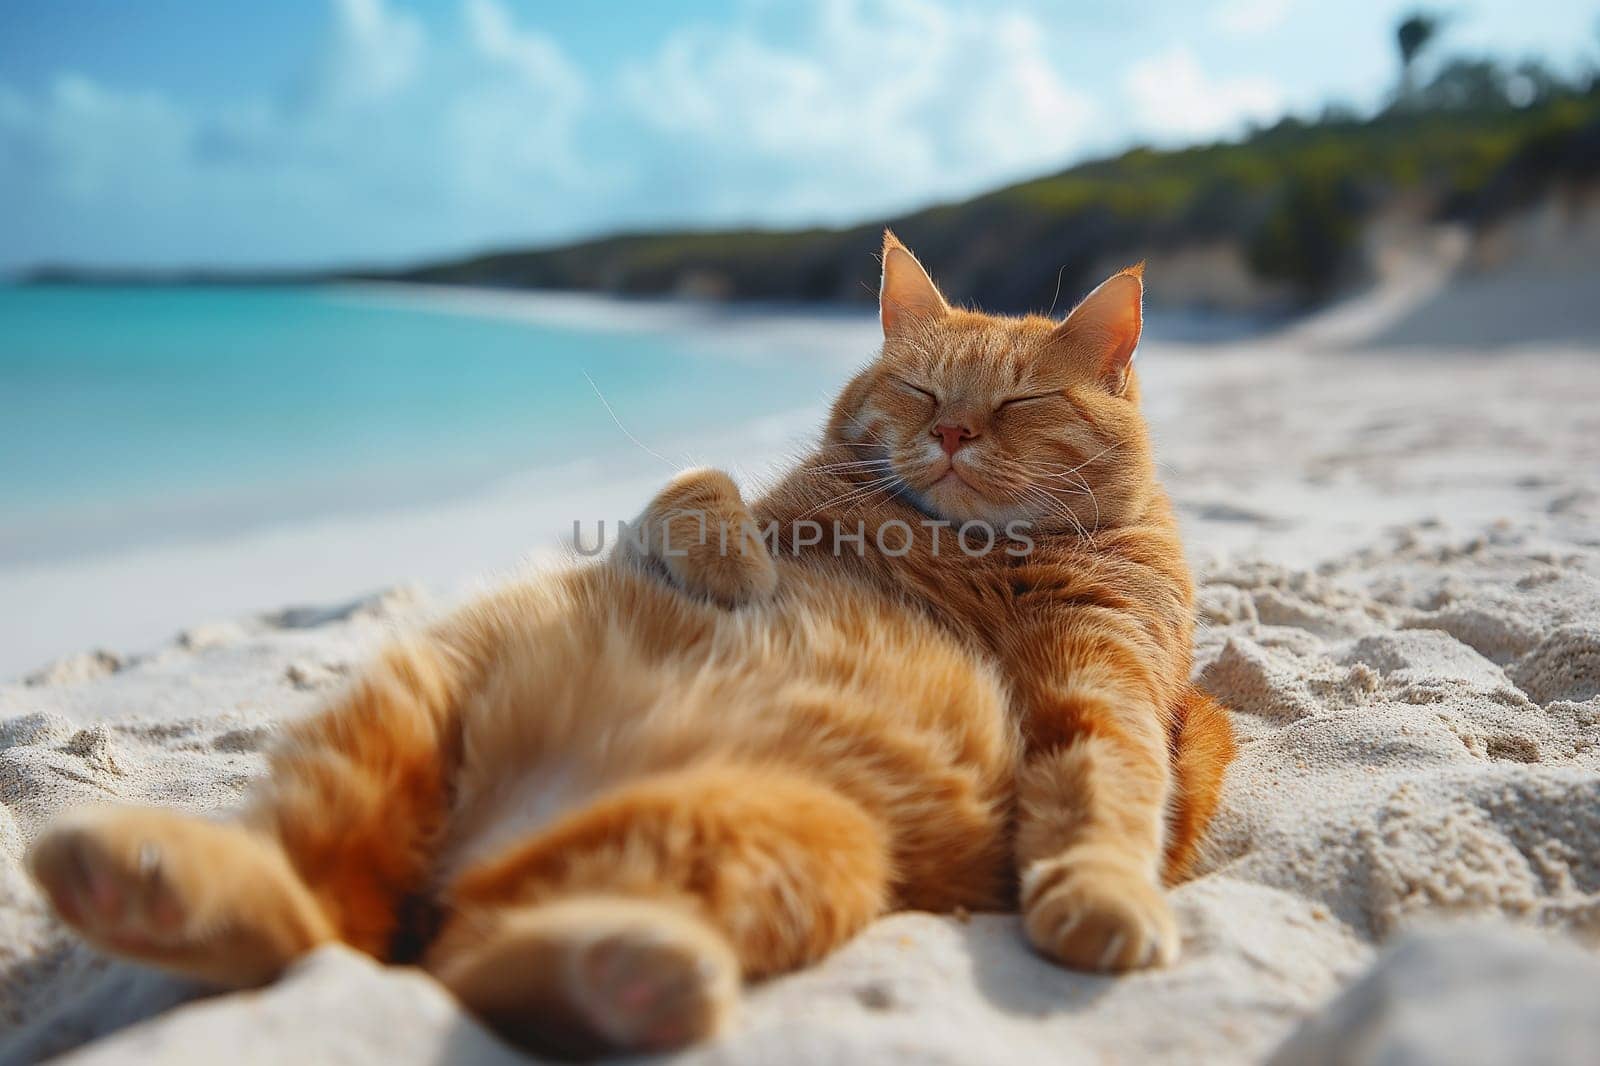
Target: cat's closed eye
x=928, y=393
x=1003, y=404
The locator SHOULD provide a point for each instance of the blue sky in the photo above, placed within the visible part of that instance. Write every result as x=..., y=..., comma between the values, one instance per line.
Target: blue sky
x=298, y=132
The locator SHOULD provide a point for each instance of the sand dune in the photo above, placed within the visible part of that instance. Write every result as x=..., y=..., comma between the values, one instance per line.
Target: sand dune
x=1400, y=558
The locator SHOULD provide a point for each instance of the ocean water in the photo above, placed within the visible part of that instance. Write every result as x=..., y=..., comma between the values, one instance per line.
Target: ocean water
x=136, y=413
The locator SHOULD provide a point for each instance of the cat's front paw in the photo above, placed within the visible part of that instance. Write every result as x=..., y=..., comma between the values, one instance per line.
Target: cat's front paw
x=730, y=578
x=699, y=532
x=1094, y=913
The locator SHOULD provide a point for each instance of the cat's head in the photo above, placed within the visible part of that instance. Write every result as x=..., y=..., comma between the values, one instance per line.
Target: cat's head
x=997, y=419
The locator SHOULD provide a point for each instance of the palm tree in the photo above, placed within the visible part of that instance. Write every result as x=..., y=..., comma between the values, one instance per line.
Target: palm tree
x=1414, y=34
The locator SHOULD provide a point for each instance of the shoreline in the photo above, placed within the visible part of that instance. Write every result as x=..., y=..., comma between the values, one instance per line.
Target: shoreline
x=134, y=597
x=126, y=574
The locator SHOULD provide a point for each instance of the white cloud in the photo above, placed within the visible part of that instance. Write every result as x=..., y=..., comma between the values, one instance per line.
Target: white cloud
x=87, y=141
x=873, y=105
x=536, y=58
x=522, y=124
x=1250, y=18
x=387, y=146
x=371, y=53
x=1174, y=98
x=401, y=142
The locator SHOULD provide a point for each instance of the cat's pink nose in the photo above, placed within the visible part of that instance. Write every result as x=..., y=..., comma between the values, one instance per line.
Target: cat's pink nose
x=952, y=437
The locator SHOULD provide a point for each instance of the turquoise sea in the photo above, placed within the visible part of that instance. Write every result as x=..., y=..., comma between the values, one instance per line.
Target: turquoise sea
x=127, y=412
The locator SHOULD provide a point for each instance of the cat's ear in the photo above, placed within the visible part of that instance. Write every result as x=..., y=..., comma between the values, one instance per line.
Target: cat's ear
x=1103, y=330
x=906, y=293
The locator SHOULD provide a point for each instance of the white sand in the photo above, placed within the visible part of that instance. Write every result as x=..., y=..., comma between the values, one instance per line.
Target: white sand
x=1400, y=557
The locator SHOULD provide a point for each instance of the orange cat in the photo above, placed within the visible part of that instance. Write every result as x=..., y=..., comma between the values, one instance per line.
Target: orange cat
x=592, y=803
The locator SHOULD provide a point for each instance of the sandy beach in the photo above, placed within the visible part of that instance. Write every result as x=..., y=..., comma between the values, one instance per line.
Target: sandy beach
x=1399, y=554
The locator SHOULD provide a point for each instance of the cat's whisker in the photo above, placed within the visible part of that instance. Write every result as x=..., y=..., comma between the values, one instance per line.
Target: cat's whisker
x=1073, y=487
x=852, y=465
x=1088, y=489
x=1045, y=507
x=849, y=505
x=1051, y=506
x=1052, y=472
x=1108, y=449
x=1056, y=508
x=1079, y=485
x=1102, y=453
x=876, y=484
x=848, y=477
x=639, y=443
x=895, y=485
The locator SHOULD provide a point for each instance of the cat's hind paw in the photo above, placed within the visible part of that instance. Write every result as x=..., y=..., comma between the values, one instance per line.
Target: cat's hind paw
x=588, y=976
x=200, y=898
x=109, y=884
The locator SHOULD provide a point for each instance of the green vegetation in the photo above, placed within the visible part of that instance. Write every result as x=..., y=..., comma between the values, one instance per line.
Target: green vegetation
x=1476, y=141
x=1290, y=204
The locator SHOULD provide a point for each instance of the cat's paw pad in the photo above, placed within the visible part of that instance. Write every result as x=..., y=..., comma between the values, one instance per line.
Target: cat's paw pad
x=652, y=987
x=1097, y=916
x=583, y=977
x=106, y=874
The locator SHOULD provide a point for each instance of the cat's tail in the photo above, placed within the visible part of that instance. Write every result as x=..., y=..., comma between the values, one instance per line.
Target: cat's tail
x=1202, y=747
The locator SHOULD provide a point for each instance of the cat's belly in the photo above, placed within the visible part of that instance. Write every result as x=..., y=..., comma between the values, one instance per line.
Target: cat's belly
x=604, y=678
x=512, y=809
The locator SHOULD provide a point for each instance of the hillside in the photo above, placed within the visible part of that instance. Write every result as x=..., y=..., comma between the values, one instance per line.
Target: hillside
x=1275, y=219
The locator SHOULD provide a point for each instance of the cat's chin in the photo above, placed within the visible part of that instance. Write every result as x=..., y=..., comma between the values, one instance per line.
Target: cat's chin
x=955, y=498
x=951, y=498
